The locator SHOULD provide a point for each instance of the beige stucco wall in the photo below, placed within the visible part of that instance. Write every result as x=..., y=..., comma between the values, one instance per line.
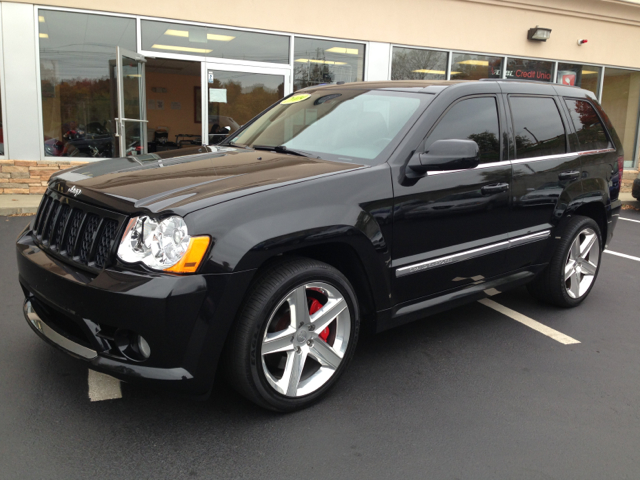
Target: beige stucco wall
x=495, y=26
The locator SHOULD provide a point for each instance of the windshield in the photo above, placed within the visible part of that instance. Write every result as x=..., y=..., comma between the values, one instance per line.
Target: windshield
x=349, y=125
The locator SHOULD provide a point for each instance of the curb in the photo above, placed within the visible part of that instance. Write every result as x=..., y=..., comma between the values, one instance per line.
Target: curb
x=8, y=211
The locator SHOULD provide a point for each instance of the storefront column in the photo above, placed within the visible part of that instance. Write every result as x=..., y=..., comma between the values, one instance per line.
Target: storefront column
x=22, y=127
x=378, y=61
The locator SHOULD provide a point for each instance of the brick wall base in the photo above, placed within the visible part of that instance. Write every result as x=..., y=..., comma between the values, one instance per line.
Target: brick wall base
x=29, y=177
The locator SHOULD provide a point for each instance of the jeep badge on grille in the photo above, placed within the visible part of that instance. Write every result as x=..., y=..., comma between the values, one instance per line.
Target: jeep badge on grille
x=74, y=190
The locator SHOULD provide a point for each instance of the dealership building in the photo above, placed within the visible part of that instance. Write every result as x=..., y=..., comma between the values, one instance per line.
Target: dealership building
x=81, y=81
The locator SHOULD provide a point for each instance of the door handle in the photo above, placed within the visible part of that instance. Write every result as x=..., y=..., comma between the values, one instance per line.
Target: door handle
x=572, y=175
x=494, y=188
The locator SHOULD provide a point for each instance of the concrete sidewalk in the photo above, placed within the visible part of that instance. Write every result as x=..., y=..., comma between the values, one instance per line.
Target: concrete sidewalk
x=19, y=204
x=28, y=204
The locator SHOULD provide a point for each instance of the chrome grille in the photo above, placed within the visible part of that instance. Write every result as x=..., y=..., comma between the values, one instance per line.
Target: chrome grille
x=78, y=232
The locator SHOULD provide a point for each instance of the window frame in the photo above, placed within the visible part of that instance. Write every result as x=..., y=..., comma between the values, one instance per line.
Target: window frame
x=501, y=124
x=561, y=114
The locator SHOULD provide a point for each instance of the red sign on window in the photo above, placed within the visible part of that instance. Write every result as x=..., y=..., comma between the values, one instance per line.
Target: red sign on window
x=569, y=79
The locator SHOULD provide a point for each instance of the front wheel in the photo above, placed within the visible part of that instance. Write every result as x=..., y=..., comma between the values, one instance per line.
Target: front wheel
x=294, y=336
x=574, y=267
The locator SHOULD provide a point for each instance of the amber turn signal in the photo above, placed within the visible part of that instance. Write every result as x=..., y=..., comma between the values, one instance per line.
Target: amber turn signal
x=193, y=257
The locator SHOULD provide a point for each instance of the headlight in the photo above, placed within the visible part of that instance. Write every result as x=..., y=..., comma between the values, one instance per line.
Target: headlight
x=162, y=245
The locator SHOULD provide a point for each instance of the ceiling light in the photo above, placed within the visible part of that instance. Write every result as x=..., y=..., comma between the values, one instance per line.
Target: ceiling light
x=349, y=51
x=41, y=18
x=177, y=33
x=219, y=38
x=181, y=49
x=313, y=60
x=588, y=72
x=434, y=72
x=44, y=35
x=539, y=34
x=210, y=36
x=482, y=63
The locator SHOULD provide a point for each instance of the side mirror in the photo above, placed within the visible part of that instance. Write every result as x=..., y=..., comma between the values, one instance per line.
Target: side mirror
x=446, y=155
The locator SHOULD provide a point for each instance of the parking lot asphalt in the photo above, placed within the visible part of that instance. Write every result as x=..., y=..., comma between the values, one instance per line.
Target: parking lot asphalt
x=466, y=394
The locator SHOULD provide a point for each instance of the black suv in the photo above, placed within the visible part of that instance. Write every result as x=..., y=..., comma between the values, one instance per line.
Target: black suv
x=339, y=207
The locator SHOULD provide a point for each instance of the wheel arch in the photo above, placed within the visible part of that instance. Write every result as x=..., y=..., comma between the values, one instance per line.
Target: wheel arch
x=350, y=252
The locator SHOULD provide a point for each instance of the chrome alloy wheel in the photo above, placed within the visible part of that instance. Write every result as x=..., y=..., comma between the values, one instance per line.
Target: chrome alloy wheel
x=306, y=339
x=582, y=263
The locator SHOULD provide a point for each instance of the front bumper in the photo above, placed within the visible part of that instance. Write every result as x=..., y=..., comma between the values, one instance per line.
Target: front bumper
x=184, y=319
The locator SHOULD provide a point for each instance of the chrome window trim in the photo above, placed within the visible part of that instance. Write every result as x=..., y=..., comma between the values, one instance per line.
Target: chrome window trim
x=473, y=253
x=479, y=167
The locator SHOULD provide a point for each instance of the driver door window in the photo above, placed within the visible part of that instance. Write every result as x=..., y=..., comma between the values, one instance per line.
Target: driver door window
x=471, y=119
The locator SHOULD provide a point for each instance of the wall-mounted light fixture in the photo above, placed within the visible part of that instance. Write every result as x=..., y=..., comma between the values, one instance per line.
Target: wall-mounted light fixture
x=539, y=34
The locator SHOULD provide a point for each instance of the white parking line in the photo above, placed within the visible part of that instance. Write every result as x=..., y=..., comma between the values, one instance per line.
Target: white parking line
x=103, y=387
x=624, y=255
x=629, y=219
x=529, y=322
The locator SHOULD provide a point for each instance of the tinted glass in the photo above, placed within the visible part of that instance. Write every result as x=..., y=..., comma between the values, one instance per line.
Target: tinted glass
x=591, y=133
x=538, y=127
x=583, y=76
x=214, y=42
x=326, y=61
x=474, y=67
x=528, y=69
x=345, y=125
x=473, y=119
x=77, y=70
x=418, y=64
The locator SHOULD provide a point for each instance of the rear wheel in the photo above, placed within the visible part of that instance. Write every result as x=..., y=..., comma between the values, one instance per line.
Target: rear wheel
x=295, y=335
x=574, y=267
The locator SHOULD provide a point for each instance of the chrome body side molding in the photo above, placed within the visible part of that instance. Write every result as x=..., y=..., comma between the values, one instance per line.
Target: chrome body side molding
x=469, y=254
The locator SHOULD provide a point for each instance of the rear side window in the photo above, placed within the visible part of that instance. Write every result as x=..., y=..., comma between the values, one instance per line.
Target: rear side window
x=538, y=127
x=591, y=132
x=471, y=119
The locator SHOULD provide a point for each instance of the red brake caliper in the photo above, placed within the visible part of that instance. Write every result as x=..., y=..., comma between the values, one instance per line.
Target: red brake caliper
x=315, y=306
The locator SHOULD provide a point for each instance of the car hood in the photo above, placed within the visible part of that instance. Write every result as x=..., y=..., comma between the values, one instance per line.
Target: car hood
x=181, y=184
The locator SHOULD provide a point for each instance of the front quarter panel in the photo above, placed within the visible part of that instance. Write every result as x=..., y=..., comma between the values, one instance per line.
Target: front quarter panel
x=353, y=208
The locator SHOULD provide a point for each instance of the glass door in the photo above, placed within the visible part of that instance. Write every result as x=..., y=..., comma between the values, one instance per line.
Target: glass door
x=131, y=122
x=236, y=94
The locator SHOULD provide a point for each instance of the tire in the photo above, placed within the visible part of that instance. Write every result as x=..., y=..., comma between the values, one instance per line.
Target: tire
x=264, y=351
x=574, y=266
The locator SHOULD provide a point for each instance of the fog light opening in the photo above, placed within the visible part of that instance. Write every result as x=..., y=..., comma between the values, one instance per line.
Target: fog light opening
x=143, y=347
x=132, y=346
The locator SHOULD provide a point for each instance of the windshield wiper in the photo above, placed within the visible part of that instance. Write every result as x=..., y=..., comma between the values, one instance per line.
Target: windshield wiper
x=284, y=149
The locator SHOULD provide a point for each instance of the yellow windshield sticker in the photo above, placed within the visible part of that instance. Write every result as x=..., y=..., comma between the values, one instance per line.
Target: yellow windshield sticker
x=295, y=99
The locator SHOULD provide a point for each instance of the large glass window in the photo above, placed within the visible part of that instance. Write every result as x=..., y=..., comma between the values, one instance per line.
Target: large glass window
x=77, y=70
x=528, y=69
x=620, y=99
x=214, y=42
x=346, y=125
x=1, y=127
x=237, y=97
x=326, y=61
x=473, y=119
x=591, y=133
x=583, y=76
x=539, y=130
x=418, y=64
x=474, y=67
